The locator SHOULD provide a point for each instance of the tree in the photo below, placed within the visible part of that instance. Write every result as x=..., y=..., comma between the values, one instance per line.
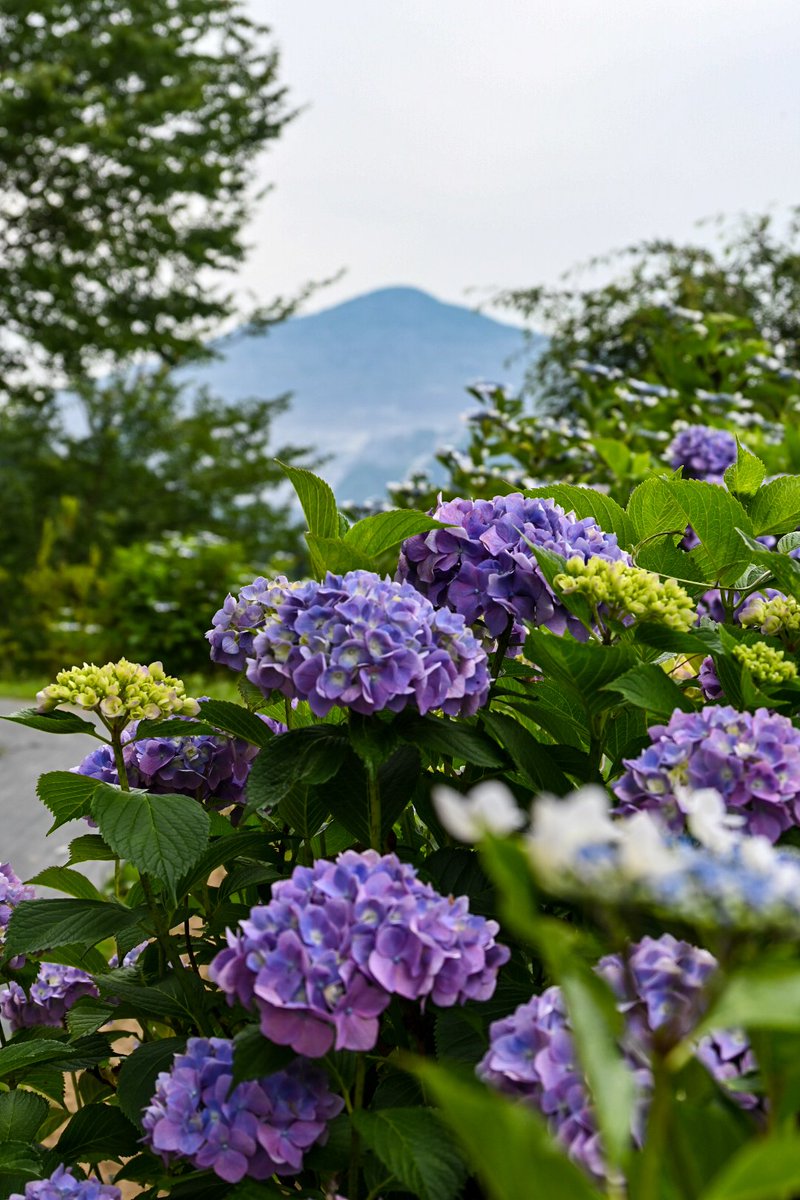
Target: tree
x=128, y=138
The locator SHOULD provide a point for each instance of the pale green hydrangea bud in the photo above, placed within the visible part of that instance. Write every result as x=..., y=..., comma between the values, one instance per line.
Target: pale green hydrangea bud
x=779, y=616
x=765, y=663
x=119, y=692
x=627, y=593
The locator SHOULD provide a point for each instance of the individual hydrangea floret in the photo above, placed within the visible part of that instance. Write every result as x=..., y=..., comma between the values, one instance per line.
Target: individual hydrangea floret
x=773, y=614
x=751, y=759
x=361, y=642
x=49, y=999
x=12, y=892
x=625, y=594
x=726, y=880
x=483, y=565
x=659, y=986
x=62, y=1185
x=120, y=692
x=765, y=663
x=322, y=960
x=703, y=452
x=234, y=626
x=259, y=1128
x=708, y=679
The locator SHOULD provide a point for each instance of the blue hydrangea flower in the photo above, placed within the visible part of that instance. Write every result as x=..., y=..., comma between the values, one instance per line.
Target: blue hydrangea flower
x=751, y=759
x=483, y=566
x=703, y=452
x=12, y=892
x=257, y=1129
x=322, y=960
x=62, y=1185
x=235, y=624
x=660, y=986
x=51, y=996
x=361, y=642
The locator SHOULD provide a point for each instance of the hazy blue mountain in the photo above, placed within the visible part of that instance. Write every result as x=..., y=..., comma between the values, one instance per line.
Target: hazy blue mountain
x=377, y=382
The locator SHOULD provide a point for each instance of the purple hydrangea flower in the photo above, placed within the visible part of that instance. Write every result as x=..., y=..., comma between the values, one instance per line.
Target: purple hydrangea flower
x=532, y=1053
x=365, y=643
x=321, y=961
x=709, y=680
x=484, y=568
x=260, y=1128
x=12, y=892
x=234, y=625
x=50, y=997
x=751, y=759
x=62, y=1185
x=703, y=452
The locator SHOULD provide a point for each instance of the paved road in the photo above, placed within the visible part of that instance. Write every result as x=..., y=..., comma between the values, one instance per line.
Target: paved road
x=24, y=755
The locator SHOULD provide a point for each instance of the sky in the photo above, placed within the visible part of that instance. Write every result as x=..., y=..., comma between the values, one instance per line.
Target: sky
x=465, y=146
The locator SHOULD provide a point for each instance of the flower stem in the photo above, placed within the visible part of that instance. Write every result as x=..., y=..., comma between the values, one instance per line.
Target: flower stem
x=355, y=1140
x=657, y=1128
x=375, y=823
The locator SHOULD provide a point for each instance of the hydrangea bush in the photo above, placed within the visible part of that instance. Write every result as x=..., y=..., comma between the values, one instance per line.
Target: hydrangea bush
x=489, y=878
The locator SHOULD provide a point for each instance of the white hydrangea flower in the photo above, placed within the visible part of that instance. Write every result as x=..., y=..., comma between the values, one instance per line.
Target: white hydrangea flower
x=561, y=827
x=487, y=808
x=708, y=820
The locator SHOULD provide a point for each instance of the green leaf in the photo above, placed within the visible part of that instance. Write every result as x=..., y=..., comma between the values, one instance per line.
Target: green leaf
x=158, y=1001
x=785, y=570
x=317, y=500
x=385, y=530
x=62, y=879
x=766, y=996
x=66, y=794
x=51, y=722
x=414, y=1145
x=171, y=727
x=248, y=843
x=87, y=1015
x=776, y=507
x=255, y=1057
x=163, y=836
x=38, y=925
x=98, y=1132
x=506, y=1142
x=767, y=1169
x=89, y=847
x=239, y=722
x=137, y=1076
x=346, y=793
x=745, y=476
x=18, y=1057
x=583, y=668
x=20, y=1163
x=648, y=687
x=531, y=757
x=335, y=554
x=586, y=502
x=21, y=1114
x=305, y=810
x=452, y=739
x=615, y=453
x=299, y=757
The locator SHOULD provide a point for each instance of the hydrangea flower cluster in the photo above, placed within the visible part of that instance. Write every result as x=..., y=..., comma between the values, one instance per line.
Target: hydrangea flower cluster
x=62, y=1185
x=729, y=881
x=703, y=452
x=235, y=625
x=206, y=766
x=364, y=643
x=659, y=986
x=624, y=593
x=773, y=614
x=322, y=960
x=120, y=692
x=483, y=565
x=751, y=759
x=50, y=998
x=765, y=663
x=12, y=892
x=259, y=1128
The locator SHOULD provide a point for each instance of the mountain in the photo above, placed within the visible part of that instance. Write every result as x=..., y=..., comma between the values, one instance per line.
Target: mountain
x=377, y=382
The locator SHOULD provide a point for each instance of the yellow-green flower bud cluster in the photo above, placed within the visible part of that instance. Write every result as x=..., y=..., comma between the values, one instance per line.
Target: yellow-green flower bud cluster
x=627, y=593
x=120, y=691
x=765, y=663
x=779, y=615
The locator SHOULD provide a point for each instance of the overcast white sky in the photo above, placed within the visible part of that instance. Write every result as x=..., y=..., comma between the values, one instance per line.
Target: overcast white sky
x=457, y=144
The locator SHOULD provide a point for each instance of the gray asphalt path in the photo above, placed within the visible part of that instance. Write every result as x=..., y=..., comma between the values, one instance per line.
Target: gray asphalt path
x=25, y=754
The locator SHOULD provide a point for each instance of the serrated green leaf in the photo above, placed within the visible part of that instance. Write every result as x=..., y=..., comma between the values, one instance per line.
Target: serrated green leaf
x=304, y=810
x=586, y=502
x=162, y=836
x=87, y=1015
x=581, y=668
x=98, y=1132
x=531, y=757
x=453, y=739
x=51, y=722
x=38, y=925
x=67, y=795
x=745, y=476
x=20, y=1163
x=72, y=883
x=414, y=1145
x=155, y=1001
x=316, y=498
x=335, y=554
x=249, y=843
x=650, y=688
x=238, y=721
x=384, y=530
x=298, y=758
x=346, y=792
x=776, y=507
x=17, y=1057
x=89, y=847
x=21, y=1114
x=138, y=1072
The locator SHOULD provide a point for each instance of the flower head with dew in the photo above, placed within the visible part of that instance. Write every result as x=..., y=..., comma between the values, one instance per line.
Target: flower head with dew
x=321, y=961
x=660, y=987
x=727, y=879
x=626, y=594
x=487, y=808
x=484, y=564
x=364, y=643
x=703, y=452
x=120, y=692
x=49, y=999
x=751, y=759
x=256, y=1129
x=62, y=1185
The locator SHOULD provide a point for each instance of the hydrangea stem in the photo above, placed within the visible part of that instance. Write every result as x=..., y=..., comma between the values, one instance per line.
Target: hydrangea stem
x=355, y=1140
x=374, y=798
x=657, y=1128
